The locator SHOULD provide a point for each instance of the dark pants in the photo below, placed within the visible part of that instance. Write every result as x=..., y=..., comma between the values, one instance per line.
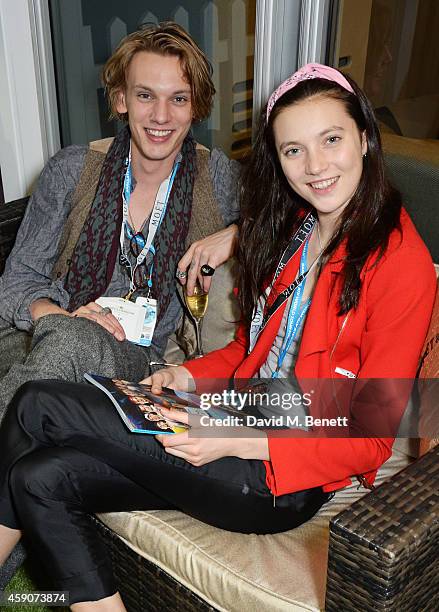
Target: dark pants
x=65, y=453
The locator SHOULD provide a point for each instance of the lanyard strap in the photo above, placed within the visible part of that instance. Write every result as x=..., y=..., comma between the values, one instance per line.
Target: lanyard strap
x=261, y=318
x=296, y=313
x=299, y=238
x=156, y=217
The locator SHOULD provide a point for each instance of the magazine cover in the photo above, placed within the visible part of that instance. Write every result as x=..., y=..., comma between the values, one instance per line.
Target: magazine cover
x=140, y=409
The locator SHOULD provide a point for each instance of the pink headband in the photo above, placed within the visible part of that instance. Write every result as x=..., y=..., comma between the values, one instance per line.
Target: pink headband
x=310, y=71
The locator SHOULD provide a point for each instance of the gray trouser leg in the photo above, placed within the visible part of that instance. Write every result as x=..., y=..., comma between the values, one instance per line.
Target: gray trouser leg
x=11, y=565
x=14, y=347
x=65, y=348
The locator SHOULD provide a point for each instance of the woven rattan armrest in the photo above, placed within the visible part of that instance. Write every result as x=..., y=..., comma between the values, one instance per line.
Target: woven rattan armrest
x=384, y=548
x=11, y=215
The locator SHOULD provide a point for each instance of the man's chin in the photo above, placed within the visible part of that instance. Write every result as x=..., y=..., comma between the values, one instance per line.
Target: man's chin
x=159, y=153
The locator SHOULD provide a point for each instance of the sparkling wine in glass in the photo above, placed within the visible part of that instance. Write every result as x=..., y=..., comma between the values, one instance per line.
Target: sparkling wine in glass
x=197, y=306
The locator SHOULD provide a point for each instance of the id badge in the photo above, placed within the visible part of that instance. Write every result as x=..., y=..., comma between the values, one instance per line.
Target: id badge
x=149, y=306
x=129, y=315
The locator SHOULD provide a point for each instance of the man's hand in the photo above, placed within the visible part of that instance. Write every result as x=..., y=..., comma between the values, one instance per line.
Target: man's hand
x=99, y=315
x=213, y=250
x=42, y=307
x=198, y=447
x=175, y=378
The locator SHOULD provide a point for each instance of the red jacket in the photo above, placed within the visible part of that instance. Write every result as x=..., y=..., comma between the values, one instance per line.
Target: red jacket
x=381, y=338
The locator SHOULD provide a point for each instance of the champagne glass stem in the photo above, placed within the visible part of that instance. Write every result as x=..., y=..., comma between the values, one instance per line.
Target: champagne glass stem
x=199, y=351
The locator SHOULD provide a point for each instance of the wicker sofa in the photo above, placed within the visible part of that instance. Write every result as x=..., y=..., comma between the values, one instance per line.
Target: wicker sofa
x=378, y=551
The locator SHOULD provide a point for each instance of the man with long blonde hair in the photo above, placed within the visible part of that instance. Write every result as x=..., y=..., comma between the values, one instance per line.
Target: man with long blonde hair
x=115, y=218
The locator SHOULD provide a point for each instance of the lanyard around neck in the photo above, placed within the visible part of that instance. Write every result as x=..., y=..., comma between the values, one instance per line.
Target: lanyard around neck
x=155, y=220
x=296, y=312
x=262, y=314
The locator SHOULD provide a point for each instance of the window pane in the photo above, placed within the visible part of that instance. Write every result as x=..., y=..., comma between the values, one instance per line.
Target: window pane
x=390, y=48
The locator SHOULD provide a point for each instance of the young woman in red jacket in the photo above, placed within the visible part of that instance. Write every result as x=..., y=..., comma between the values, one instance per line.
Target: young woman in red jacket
x=366, y=298
x=335, y=283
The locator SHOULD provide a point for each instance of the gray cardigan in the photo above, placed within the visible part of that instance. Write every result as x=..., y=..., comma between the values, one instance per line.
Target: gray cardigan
x=27, y=275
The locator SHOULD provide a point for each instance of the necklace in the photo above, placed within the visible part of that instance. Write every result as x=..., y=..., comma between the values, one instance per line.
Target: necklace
x=133, y=227
x=130, y=219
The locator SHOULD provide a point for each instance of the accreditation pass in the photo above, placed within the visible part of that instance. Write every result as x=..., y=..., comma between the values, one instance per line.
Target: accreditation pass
x=138, y=318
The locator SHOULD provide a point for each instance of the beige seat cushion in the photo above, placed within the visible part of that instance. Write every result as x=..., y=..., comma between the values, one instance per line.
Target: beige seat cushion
x=237, y=572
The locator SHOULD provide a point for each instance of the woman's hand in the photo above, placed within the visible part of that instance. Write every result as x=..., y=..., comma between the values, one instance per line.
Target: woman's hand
x=198, y=447
x=99, y=315
x=213, y=250
x=175, y=378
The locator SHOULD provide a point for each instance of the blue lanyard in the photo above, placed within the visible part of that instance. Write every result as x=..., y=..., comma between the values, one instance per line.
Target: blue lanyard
x=127, y=191
x=296, y=313
x=146, y=246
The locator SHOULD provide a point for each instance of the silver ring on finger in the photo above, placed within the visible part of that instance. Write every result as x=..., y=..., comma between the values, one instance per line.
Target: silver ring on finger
x=105, y=311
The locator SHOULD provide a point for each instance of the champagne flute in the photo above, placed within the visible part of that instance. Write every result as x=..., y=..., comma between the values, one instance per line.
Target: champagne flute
x=197, y=306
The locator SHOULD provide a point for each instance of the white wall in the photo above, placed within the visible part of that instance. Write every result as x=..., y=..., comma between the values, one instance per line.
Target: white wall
x=28, y=132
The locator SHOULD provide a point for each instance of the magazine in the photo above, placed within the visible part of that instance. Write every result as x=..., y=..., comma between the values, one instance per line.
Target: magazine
x=140, y=409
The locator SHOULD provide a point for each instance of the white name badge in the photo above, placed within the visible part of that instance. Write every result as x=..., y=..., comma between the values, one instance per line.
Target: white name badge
x=137, y=319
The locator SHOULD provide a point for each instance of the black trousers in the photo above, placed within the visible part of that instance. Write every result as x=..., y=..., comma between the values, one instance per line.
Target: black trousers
x=65, y=454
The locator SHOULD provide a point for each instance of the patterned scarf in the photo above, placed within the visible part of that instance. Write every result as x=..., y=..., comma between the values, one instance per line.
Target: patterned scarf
x=95, y=254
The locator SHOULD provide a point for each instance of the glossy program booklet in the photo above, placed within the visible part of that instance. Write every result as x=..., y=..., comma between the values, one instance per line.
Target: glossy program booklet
x=140, y=409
